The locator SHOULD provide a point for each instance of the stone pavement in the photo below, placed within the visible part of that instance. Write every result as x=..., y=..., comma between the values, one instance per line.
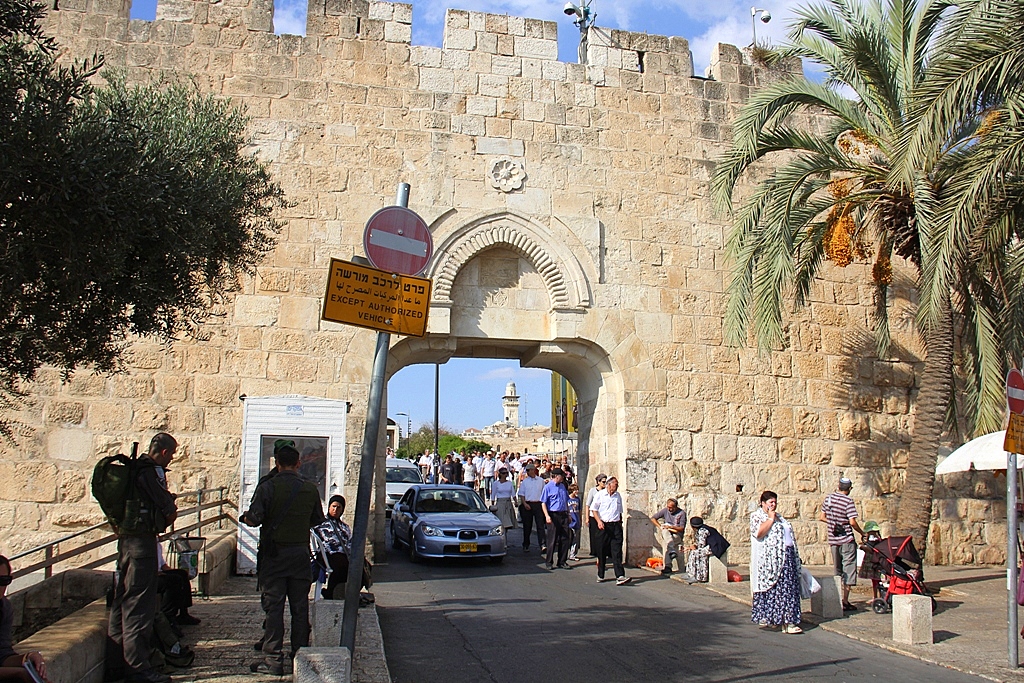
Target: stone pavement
x=232, y=623
x=969, y=623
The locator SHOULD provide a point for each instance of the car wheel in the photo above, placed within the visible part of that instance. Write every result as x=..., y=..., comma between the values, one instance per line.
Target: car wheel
x=413, y=555
x=395, y=541
x=498, y=560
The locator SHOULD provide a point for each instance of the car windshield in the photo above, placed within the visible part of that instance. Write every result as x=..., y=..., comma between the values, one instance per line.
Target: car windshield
x=449, y=500
x=403, y=475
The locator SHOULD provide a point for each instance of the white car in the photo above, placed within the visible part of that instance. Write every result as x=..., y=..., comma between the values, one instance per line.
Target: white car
x=399, y=475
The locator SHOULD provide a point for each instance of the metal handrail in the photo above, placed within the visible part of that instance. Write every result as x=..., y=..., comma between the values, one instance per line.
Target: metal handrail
x=51, y=557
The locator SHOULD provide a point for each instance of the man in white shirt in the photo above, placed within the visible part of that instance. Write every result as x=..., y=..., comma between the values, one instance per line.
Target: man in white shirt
x=487, y=469
x=425, y=462
x=530, y=490
x=607, y=510
x=469, y=474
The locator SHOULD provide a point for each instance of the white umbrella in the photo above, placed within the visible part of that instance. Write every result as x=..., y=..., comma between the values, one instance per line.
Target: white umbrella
x=984, y=453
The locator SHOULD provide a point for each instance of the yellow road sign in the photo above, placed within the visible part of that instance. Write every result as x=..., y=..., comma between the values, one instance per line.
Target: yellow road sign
x=1014, y=441
x=367, y=297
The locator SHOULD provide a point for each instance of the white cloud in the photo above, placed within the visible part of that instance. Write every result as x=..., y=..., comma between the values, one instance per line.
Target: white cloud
x=511, y=373
x=290, y=17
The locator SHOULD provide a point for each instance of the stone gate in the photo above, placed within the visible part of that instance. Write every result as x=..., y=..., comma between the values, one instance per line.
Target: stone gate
x=571, y=212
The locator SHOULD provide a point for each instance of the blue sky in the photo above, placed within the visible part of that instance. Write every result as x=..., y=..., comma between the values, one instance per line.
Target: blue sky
x=702, y=22
x=470, y=391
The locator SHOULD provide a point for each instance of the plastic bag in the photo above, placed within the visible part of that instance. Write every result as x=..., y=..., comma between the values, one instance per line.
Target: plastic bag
x=808, y=584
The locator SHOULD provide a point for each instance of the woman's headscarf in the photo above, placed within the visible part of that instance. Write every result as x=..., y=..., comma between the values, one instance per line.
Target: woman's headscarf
x=336, y=499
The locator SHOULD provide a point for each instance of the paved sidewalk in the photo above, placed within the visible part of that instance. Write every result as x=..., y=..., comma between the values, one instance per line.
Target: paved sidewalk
x=232, y=622
x=969, y=624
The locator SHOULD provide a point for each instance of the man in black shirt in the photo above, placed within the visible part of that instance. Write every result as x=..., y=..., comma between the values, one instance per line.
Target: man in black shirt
x=287, y=507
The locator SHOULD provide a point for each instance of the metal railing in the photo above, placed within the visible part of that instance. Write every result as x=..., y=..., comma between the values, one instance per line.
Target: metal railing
x=52, y=554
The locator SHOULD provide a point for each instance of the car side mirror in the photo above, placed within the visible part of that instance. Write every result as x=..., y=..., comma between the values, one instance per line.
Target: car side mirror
x=402, y=507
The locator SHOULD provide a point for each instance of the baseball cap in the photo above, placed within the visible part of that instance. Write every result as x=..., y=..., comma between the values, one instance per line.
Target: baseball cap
x=281, y=443
x=871, y=526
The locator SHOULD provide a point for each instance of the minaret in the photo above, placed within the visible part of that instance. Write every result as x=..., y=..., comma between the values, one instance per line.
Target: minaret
x=510, y=402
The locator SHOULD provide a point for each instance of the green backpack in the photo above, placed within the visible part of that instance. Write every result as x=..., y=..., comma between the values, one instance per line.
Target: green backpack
x=113, y=486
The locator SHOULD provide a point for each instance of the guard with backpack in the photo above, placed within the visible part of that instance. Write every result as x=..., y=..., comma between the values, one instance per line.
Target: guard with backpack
x=133, y=494
x=286, y=507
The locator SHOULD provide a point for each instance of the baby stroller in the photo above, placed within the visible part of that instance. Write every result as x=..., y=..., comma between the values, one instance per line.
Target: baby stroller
x=893, y=557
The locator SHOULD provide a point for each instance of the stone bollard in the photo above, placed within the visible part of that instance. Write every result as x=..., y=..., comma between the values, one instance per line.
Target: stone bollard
x=912, y=619
x=828, y=602
x=718, y=569
x=326, y=617
x=322, y=664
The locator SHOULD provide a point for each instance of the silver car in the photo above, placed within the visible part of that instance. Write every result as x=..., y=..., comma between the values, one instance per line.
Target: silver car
x=446, y=521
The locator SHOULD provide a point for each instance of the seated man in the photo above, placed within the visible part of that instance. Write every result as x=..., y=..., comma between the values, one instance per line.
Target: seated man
x=175, y=592
x=671, y=523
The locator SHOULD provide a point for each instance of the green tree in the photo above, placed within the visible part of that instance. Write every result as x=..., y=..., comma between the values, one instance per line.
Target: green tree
x=850, y=190
x=123, y=210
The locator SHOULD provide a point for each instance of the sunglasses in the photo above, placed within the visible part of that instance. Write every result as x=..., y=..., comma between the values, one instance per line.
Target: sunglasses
x=6, y=580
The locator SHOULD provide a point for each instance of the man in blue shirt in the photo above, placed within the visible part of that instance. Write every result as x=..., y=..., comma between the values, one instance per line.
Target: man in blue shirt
x=554, y=500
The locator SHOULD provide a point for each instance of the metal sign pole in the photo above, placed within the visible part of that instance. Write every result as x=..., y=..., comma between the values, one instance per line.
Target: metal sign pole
x=1011, y=558
x=366, y=467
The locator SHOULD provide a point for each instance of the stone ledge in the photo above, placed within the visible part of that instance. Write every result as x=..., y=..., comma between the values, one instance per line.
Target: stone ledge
x=217, y=561
x=74, y=647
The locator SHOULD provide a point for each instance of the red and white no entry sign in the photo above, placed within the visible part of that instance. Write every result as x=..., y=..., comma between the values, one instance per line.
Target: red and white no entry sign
x=397, y=240
x=1015, y=391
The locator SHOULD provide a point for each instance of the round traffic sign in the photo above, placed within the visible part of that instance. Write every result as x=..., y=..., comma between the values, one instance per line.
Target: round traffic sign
x=1015, y=391
x=397, y=240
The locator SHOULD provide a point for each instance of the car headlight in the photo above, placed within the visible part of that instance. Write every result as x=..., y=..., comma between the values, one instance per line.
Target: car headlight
x=431, y=530
x=498, y=531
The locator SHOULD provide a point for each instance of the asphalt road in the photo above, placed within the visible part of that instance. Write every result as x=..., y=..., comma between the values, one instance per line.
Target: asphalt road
x=516, y=622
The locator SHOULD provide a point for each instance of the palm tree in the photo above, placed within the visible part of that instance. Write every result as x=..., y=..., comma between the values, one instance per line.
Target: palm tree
x=973, y=208
x=849, y=193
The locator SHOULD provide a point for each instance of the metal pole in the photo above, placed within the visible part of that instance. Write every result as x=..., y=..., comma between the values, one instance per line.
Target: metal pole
x=437, y=424
x=366, y=467
x=1011, y=558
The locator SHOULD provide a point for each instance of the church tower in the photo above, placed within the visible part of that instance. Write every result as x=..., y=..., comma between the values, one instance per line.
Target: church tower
x=510, y=402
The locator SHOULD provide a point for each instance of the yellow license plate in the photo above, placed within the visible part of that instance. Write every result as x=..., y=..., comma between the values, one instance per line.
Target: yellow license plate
x=467, y=547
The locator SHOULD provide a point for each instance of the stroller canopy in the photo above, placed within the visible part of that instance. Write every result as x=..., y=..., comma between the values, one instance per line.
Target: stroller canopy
x=898, y=548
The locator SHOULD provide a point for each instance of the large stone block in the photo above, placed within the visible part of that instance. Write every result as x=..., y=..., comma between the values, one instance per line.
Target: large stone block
x=912, y=619
x=718, y=569
x=828, y=602
x=326, y=617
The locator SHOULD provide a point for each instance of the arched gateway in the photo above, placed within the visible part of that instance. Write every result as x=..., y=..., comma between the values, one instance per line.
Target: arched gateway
x=508, y=286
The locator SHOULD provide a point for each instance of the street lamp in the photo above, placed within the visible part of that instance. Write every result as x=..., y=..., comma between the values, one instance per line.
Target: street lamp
x=584, y=19
x=766, y=16
x=408, y=431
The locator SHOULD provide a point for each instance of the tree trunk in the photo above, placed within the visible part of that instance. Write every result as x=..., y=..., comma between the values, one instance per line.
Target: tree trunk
x=915, y=507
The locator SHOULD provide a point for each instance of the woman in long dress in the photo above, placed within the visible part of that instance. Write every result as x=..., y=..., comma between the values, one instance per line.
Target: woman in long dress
x=503, y=491
x=774, y=568
x=697, y=560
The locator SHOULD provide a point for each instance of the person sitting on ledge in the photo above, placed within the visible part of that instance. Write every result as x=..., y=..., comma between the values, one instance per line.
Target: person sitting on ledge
x=12, y=664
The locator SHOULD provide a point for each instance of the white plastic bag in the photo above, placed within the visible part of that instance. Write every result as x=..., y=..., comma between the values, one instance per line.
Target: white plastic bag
x=808, y=584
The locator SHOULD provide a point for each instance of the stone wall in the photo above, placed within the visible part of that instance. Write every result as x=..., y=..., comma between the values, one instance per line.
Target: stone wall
x=573, y=228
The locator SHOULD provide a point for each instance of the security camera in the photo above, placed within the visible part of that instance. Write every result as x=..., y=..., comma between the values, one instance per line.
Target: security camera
x=571, y=9
x=766, y=17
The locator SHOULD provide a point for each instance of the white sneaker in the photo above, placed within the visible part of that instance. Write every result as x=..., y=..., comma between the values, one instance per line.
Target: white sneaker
x=622, y=580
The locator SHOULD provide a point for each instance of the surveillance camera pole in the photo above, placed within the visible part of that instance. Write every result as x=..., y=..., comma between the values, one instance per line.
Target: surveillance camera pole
x=754, y=11
x=585, y=18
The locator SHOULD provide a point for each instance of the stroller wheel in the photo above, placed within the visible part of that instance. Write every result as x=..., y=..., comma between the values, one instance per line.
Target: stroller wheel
x=879, y=606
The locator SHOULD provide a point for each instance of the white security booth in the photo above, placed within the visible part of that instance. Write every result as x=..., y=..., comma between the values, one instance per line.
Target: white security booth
x=316, y=428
